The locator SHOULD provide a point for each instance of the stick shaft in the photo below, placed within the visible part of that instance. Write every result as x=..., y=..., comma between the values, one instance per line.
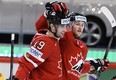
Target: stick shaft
x=12, y=57
x=112, y=21
x=107, y=50
x=109, y=45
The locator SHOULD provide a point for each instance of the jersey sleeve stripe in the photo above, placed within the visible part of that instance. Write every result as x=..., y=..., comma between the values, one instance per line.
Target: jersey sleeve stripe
x=34, y=64
x=36, y=54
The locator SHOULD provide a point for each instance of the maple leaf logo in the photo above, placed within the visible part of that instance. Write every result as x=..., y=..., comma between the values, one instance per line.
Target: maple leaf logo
x=60, y=65
x=76, y=62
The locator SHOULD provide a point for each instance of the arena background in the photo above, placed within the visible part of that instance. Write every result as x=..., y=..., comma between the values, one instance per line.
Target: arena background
x=19, y=17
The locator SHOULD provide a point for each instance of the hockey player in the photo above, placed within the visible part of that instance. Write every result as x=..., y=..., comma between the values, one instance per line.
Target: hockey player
x=73, y=50
x=43, y=60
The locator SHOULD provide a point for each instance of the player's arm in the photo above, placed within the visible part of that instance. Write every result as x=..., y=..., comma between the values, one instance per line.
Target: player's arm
x=86, y=65
x=41, y=23
x=51, y=7
x=37, y=54
x=93, y=65
x=22, y=72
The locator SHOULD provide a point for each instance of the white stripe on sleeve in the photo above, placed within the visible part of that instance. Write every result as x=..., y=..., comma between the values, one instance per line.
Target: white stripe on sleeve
x=34, y=64
x=36, y=54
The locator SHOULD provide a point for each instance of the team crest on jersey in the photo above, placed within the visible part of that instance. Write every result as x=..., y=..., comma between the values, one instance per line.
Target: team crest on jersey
x=59, y=66
x=76, y=62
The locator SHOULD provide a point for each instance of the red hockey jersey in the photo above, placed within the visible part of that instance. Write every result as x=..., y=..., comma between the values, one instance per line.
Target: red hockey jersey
x=73, y=52
x=42, y=61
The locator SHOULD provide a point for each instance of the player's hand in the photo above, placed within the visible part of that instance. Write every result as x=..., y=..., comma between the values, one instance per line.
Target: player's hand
x=105, y=66
x=55, y=7
x=99, y=64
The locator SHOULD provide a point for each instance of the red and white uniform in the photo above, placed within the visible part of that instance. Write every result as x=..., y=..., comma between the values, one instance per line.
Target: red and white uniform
x=42, y=61
x=72, y=50
x=41, y=23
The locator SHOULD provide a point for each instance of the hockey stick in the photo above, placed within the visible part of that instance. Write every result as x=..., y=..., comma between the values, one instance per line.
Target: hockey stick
x=112, y=21
x=11, y=59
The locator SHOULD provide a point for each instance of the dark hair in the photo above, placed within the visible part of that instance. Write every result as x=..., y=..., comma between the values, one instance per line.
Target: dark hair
x=56, y=17
x=73, y=14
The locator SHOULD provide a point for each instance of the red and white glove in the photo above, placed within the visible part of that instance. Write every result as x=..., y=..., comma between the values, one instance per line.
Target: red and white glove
x=51, y=7
x=56, y=6
x=97, y=64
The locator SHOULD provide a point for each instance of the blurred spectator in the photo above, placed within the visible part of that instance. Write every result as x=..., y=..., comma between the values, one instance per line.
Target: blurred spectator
x=1, y=76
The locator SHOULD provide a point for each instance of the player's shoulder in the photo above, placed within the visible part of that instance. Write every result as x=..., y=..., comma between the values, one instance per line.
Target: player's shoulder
x=42, y=37
x=81, y=44
x=69, y=36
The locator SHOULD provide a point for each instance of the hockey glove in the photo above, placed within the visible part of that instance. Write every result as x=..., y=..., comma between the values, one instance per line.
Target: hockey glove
x=54, y=7
x=97, y=64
